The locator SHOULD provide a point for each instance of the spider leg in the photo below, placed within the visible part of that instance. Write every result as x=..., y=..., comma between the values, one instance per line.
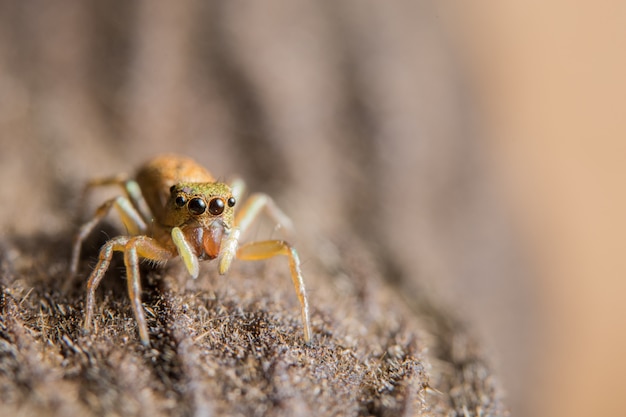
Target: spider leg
x=259, y=203
x=252, y=208
x=134, y=248
x=104, y=260
x=131, y=188
x=269, y=248
x=136, y=197
x=132, y=219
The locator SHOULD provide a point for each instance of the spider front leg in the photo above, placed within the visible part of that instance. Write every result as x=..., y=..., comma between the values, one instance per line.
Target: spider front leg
x=134, y=248
x=250, y=211
x=261, y=203
x=269, y=248
x=104, y=260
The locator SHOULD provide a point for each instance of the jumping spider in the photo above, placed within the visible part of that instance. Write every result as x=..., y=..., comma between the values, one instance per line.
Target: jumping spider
x=174, y=207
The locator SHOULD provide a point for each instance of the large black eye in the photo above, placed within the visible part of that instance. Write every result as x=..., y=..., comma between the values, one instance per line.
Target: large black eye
x=216, y=206
x=231, y=201
x=180, y=201
x=196, y=206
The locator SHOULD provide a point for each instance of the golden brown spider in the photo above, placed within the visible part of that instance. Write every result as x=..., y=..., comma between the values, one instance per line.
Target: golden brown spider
x=174, y=207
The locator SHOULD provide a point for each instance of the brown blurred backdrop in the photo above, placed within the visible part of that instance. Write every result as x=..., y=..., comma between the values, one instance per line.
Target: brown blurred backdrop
x=357, y=118
x=549, y=78
x=414, y=126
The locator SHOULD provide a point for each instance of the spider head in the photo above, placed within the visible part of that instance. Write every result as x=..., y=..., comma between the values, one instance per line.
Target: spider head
x=205, y=214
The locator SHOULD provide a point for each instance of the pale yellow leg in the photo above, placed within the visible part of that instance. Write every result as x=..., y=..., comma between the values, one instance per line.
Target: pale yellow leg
x=133, y=211
x=270, y=248
x=106, y=253
x=134, y=248
x=130, y=187
x=147, y=248
x=250, y=211
x=131, y=218
x=261, y=203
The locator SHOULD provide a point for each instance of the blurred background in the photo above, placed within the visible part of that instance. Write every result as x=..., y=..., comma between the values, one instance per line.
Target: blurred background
x=476, y=149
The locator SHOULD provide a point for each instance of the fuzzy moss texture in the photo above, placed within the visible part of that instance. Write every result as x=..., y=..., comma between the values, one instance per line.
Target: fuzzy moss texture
x=229, y=346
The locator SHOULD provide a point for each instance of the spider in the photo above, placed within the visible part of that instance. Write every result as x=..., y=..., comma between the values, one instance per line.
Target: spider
x=174, y=207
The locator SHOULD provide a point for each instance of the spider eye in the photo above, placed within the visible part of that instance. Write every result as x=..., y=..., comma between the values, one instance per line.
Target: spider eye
x=196, y=206
x=180, y=201
x=231, y=201
x=216, y=206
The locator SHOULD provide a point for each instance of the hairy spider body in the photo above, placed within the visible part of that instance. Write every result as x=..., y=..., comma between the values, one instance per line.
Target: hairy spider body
x=174, y=207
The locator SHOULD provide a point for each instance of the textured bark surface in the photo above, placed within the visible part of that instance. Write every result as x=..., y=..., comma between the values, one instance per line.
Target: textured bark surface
x=349, y=117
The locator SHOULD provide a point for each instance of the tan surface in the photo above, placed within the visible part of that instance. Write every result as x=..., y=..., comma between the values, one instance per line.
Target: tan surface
x=551, y=79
